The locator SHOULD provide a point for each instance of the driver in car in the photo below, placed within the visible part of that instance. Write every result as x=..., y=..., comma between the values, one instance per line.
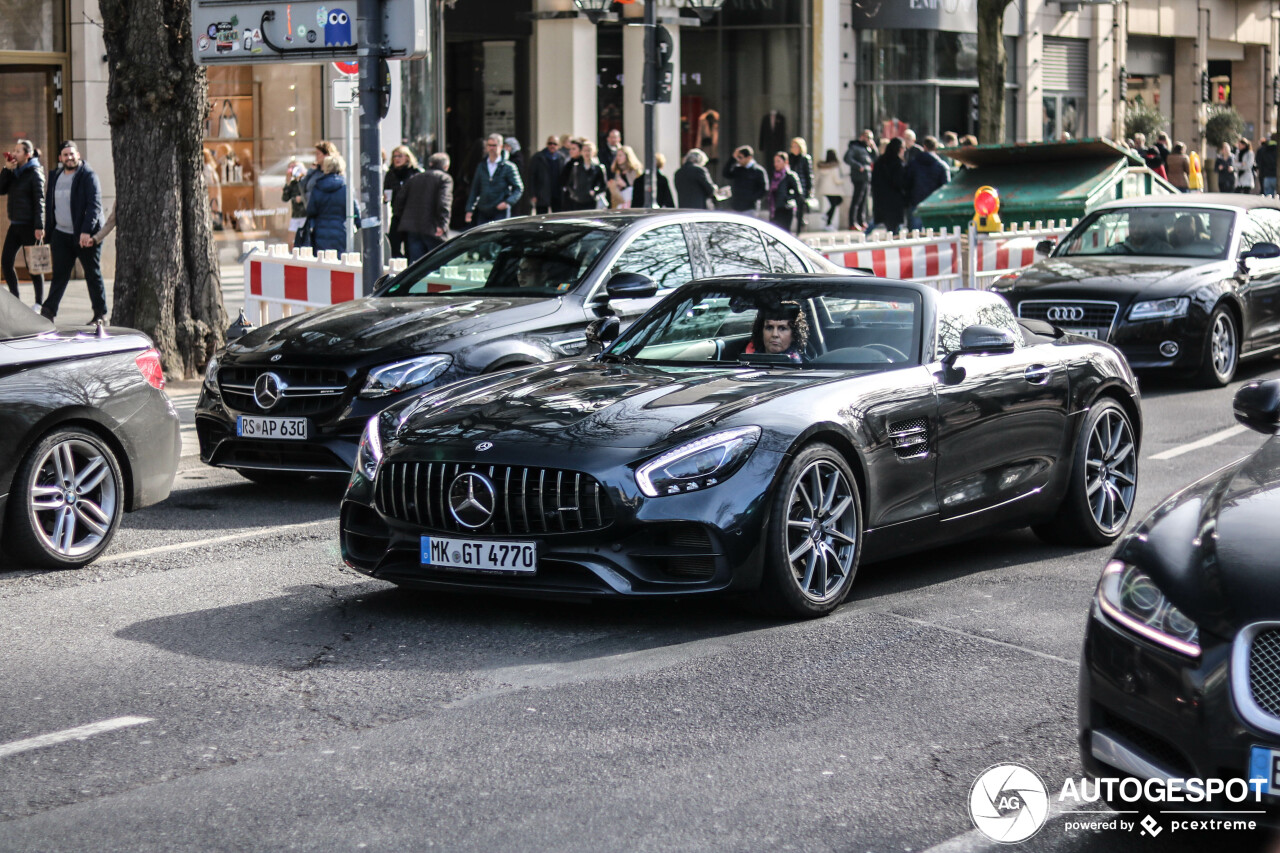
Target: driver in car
x=780, y=330
x=1148, y=235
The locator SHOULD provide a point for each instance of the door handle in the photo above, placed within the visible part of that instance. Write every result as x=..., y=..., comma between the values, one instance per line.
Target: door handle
x=1038, y=374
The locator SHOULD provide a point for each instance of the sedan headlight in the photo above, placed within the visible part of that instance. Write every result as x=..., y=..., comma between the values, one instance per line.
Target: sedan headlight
x=1160, y=309
x=699, y=464
x=1132, y=599
x=211, y=375
x=403, y=375
x=370, y=454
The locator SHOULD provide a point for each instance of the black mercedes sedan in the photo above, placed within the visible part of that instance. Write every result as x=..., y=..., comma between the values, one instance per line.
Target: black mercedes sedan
x=1180, y=675
x=1186, y=283
x=758, y=435
x=86, y=434
x=292, y=397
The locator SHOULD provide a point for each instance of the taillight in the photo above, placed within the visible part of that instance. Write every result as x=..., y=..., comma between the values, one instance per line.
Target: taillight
x=149, y=364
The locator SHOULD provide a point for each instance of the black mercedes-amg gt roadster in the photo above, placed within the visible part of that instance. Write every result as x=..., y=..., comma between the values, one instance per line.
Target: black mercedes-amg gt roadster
x=758, y=435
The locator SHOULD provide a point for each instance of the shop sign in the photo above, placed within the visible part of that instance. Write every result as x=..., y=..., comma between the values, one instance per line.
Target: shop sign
x=959, y=16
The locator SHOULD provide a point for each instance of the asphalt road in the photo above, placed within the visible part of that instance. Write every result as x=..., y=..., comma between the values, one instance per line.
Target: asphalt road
x=256, y=695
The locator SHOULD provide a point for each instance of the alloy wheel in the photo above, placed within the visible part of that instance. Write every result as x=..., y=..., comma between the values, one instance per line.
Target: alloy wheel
x=1222, y=344
x=1111, y=470
x=822, y=528
x=73, y=498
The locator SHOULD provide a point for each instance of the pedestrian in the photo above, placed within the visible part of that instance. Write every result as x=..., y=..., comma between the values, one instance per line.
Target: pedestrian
x=1195, y=175
x=665, y=199
x=831, y=185
x=785, y=193
x=582, y=179
x=623, y=171
x=1224, y=166
x=598, y=171
x=545, y=187
x=694, y=187
x=921, y=177
x=428, y=200
x=496, y=186
x=802, y=165
x=511, y=150
x=1178, y=167
x=909, y=147
x=323, y=149
x=1266, y=160
x=950, y=139
x=73, y=206
x=22, y=179
x=887, y=187
x=748, y=181
x=612, y=142
x=404, y=165
x=327, y=206
x=860, y=157
x=1139, y=145
x=1244, y=167
x=292, y=193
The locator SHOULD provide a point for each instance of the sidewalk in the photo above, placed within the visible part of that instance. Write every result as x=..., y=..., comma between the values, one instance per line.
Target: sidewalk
x=76, y=308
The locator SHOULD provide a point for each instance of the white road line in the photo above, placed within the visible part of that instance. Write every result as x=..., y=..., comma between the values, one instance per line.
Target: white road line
x=78, y=733
x=1221, y=435
x=200, y=543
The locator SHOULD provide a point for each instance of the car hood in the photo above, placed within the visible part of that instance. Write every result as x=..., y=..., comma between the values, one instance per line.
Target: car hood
x=584, y=404
x=386, y=327
x=1112, y=277
x=1212, y=547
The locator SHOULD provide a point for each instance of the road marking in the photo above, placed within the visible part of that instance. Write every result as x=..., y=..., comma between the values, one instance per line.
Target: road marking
x=200, y=543
x=1221, y=435
x=78, y=733
x=976, y=841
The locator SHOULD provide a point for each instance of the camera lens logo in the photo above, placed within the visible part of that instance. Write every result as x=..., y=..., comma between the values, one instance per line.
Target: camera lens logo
x=1008, y=803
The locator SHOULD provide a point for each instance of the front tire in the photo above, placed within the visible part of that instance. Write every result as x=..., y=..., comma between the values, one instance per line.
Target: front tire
x=1221, y=349
x=67, y=502
x=814, y=536
x=1104, y=481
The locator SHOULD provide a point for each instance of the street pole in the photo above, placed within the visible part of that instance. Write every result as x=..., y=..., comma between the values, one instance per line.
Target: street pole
x=649, y=94
x=351, y=199
x=371, y=53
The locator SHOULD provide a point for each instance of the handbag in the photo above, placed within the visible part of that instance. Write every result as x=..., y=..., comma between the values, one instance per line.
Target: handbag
x=813, y=203
x=39, y=259
x=228, y=124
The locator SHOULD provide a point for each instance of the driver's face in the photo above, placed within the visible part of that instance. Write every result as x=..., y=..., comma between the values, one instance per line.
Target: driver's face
x=777, y=335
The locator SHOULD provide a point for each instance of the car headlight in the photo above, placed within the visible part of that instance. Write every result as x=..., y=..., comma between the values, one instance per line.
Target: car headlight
x=403, y=375
x=1160, y=309
x=370, y=453
x=1132, y=599
x=211, y=375
x=699, y=464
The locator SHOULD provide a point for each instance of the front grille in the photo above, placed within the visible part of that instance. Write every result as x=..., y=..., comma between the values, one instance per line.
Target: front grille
x=1098, y=317
x=528, y=500
x=910, y=439
x=1264, y=671
x=308, y=391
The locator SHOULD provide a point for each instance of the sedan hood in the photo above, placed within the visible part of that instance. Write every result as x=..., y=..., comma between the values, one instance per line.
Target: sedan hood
x=1112, y=277
x=580, y=405
x=384, y=327
x=1212, y=548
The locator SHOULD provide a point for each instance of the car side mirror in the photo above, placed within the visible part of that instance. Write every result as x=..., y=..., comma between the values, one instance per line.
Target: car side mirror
x=981, y=340
x=1261, y=252
x=1257, y=406
x=630, y=285
x=603, y=330
x=382, y=279
x=1045, y=247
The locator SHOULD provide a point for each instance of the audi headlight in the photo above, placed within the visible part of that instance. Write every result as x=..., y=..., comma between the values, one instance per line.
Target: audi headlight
x=699, y=464
x=403, y=375
x=1132, y=599
x=370, y=453
x=1160, y=309
x=211, y=375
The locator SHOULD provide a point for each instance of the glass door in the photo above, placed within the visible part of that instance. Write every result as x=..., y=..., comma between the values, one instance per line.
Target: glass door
x=29, y=110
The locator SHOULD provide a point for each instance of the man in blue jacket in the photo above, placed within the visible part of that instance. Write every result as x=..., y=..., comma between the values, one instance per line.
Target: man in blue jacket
x=496, y=186
x=924, y=174
x=73, y=214
x=748, y=181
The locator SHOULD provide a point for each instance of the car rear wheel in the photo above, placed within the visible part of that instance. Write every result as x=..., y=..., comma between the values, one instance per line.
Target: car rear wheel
x=1221, y=349
x=1104, y=481
x=67, y=501
x=814, y=536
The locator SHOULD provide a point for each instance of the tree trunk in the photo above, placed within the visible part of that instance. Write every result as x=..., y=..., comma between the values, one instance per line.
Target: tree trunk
x=991, y=71
x=167, y=281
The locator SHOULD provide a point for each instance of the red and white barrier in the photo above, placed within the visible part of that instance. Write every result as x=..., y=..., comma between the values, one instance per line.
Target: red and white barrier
x=278, y=280
x=993, y=254
x=929, y=258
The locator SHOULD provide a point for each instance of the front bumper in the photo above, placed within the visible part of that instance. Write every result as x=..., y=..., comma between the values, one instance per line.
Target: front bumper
x=1141, y=342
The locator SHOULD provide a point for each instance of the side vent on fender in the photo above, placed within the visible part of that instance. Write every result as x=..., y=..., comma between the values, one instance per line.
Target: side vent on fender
x=910, y=439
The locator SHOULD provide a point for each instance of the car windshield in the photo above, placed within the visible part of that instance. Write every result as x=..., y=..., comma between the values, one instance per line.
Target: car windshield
x=517, y=259
x=795, y=324
x=1191, y=232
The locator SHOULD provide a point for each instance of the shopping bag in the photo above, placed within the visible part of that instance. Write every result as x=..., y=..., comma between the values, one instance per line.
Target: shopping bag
x=39, y=259
x=228, y=124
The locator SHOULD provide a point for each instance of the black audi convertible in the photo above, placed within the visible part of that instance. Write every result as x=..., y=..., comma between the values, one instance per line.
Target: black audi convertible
x=1189, y=284
x=759, y=435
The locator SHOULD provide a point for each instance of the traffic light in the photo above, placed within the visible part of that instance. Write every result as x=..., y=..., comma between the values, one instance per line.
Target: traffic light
x=660, y=71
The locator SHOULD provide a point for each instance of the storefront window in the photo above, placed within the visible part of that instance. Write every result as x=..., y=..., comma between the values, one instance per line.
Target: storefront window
x=33, y=25
x=609, y=78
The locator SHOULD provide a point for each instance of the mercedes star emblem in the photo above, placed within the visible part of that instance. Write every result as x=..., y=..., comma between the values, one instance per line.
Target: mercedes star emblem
x=268, y=390
x=276, y=357
x=472, y=499
x=1066, y=314
x=484, y=445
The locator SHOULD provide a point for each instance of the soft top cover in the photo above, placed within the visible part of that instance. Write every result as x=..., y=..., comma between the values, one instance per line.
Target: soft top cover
x=18, y=321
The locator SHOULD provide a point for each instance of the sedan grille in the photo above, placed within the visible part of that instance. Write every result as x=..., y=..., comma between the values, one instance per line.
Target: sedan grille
x=309, y=391
x=1075, y=315
x=1264, y=671
x=526, y=500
